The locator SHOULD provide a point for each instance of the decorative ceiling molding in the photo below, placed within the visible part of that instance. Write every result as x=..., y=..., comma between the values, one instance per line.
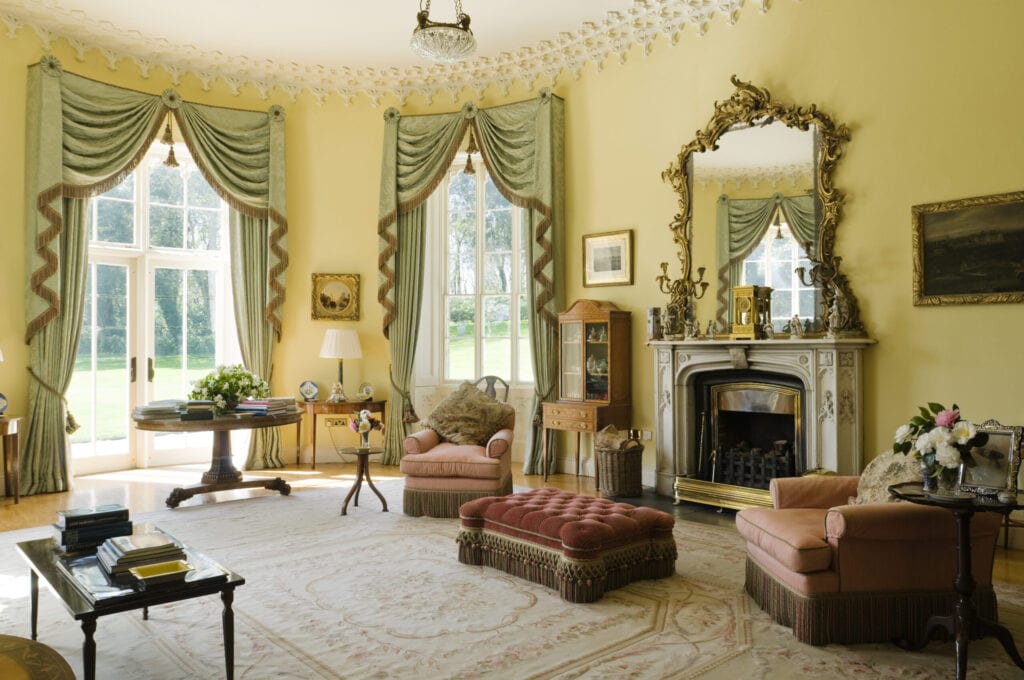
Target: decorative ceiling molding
x=534, y=66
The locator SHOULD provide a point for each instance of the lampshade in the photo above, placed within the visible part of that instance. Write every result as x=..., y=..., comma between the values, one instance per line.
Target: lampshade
x=442, y=42
x=341, y=343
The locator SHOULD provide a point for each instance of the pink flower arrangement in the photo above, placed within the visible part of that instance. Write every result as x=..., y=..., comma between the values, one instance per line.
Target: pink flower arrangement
x=940, y=438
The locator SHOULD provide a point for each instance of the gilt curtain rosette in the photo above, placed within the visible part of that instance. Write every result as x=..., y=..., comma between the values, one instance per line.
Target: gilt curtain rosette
x=83, y=138
x=742, y=223
x=522, y=145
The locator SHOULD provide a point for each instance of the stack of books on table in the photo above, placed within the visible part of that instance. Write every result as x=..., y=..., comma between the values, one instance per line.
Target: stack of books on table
x=81, y=528
x=155, y=410
x=271, y=406
x=119, y=554
x=196, y=409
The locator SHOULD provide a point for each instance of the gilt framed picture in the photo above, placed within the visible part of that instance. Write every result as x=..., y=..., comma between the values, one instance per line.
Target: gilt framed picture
x=608, y=258
x=969, y=251
x=336, y=296
x=994, y=465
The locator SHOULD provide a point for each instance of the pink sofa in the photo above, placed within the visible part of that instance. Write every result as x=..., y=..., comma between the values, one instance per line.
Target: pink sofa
x=440, y=475
x=844, y=573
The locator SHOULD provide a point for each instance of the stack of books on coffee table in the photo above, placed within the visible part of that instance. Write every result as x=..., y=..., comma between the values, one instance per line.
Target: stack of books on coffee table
x=81, y=528
x=118, y=555
x=271, y=406
x=196, y=409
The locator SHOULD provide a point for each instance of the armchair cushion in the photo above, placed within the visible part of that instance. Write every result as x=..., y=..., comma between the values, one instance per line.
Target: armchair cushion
x=794, y=537
x=468, y=416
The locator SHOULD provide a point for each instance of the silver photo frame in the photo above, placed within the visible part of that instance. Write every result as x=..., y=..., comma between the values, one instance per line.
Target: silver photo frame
x=996, y=463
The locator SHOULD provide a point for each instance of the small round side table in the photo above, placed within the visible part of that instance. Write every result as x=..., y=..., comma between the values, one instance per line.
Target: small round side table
x=362, y=472
x=27, y=659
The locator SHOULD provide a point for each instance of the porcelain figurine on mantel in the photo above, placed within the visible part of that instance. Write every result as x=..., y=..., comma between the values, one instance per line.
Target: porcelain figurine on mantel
x=796, y=329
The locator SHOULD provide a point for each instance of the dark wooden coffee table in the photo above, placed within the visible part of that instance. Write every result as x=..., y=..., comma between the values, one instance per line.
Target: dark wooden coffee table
x=42, y=556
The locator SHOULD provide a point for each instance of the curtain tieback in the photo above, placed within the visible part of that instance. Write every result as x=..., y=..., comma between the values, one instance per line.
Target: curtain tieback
x=70, y=424
x=408, y=412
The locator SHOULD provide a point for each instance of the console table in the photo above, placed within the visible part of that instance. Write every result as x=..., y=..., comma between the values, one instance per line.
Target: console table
x=964, y=623
x=223, y=474
x=313, y=408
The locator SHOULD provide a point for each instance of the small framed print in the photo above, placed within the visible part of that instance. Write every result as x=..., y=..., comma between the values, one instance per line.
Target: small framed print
x=336, y=296
x=995, y=464
x=608, y=259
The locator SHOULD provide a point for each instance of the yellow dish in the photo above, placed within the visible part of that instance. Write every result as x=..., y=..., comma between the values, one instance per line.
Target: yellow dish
x=161, y=571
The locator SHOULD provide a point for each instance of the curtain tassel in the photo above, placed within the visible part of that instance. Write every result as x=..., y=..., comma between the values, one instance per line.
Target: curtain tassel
x=471, y=149
x=168, y=139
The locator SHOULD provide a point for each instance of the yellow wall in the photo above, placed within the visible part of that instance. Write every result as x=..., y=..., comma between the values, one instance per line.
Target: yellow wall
x=928, y=89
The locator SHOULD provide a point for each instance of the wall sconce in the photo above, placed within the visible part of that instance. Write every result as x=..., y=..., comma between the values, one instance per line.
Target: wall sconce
x=340, y=344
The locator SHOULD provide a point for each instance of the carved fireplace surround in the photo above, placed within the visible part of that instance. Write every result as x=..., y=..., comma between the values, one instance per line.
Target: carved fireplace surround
x=830, y=370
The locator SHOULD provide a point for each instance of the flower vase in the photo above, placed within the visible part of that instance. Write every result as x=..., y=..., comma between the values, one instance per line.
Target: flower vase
x=364, y=440
x=948, y=478
x=928, y=479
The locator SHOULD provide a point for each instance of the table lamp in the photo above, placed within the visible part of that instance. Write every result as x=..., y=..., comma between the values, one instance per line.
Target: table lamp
x=340, y=344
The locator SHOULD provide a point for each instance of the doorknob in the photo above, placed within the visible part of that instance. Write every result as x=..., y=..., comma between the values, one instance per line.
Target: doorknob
x=151, y=372
x=131, y=370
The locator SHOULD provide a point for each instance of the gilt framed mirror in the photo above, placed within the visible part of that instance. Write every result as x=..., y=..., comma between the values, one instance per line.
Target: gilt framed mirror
x=759, y=180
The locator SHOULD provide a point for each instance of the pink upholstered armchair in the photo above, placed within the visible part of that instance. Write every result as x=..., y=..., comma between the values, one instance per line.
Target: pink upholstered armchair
x=872, y=572
x=464, y=453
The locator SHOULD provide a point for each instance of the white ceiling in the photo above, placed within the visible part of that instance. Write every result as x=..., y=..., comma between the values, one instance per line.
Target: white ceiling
x=348, y=47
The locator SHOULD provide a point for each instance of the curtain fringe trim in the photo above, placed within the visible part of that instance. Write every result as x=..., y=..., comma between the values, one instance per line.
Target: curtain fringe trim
x=37, y=281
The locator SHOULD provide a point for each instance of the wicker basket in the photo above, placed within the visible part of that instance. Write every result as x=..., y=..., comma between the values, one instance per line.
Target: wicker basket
x=620, y=469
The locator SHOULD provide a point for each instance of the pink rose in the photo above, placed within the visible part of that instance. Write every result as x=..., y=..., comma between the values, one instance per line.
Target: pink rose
x=947, y=418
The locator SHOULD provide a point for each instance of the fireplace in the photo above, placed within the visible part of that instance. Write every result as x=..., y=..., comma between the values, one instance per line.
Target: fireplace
x=749, y=427
x=784, y=407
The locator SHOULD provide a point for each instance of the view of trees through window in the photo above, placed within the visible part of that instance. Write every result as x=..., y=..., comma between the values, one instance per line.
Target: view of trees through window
x=487, y=329
x=772, y=263
x=156, y=294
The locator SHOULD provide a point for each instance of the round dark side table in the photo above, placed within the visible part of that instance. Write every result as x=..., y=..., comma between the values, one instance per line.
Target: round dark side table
x=964, y=623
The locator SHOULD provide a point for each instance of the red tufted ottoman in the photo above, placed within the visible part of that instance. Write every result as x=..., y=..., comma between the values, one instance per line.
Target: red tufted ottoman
x=578, y=545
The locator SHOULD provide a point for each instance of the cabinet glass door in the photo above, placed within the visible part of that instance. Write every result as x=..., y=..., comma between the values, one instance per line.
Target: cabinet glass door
x=597, y=361
x=572, y=361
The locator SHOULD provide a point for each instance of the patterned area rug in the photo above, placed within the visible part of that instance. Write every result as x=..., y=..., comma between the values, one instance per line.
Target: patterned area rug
x=382, y=595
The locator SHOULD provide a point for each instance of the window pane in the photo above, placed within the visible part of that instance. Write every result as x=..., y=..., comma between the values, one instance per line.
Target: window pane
x=782, y=275
x=461, y=254
x=115, y=220
x=201, y=296
x=782, y=306
x=461, y=350
x=498, y=273
x=525, y=361
x=498, y=230
x=165, y=227
x=497, y=358
x=493, y=197
x=125, y=189
x=167, y=316
x=753, y=273
x=204, y=229
x=201, y=194
x=806, y=297
x=497, y=316
x=166, y=185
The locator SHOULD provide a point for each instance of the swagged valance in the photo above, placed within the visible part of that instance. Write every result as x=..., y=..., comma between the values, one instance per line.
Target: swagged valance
x=83, y=138
x=86, y=137
x=522, y=145
x=743, y=222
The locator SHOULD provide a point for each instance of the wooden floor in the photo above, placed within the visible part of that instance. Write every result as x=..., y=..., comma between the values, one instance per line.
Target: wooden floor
x=146, y=490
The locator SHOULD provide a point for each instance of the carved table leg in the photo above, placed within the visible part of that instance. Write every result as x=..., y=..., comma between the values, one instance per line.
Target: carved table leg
x=227, y=596
x=370, y=482
x=89, y=648
x=34, y=598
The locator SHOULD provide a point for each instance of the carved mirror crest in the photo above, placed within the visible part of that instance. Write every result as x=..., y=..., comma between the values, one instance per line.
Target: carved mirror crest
x=788, y=154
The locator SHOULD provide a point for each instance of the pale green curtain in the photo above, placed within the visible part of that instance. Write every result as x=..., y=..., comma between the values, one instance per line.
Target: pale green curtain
x=82, y=139
x=522, y=146
x=741, y=223
x=255, y=336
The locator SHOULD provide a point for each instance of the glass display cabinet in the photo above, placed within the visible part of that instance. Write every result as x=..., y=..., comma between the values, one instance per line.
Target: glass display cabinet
x=594, y=371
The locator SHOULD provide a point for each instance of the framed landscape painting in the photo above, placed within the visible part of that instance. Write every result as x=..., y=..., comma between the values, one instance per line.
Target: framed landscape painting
x=969, y=251
x=608, y=258
x=336, y=296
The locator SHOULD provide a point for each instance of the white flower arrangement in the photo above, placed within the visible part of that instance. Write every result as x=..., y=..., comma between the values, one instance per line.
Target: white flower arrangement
x=228, y=385
x=939, y=438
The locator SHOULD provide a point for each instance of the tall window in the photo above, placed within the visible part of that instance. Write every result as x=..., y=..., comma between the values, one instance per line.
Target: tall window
x=157, y=312
x=486, y=329
x=772, y=263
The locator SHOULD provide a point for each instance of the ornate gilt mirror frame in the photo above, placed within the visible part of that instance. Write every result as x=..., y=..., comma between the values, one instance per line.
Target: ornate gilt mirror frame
x=753, y=106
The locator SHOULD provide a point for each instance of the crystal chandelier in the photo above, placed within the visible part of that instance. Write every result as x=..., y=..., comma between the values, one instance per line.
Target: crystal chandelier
x=440, y=42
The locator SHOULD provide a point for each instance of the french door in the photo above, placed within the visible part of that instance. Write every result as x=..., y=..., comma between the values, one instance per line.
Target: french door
x=157, y=315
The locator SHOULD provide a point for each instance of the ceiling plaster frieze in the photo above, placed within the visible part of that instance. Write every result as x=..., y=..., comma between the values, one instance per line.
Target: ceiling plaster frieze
x=534, y=66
